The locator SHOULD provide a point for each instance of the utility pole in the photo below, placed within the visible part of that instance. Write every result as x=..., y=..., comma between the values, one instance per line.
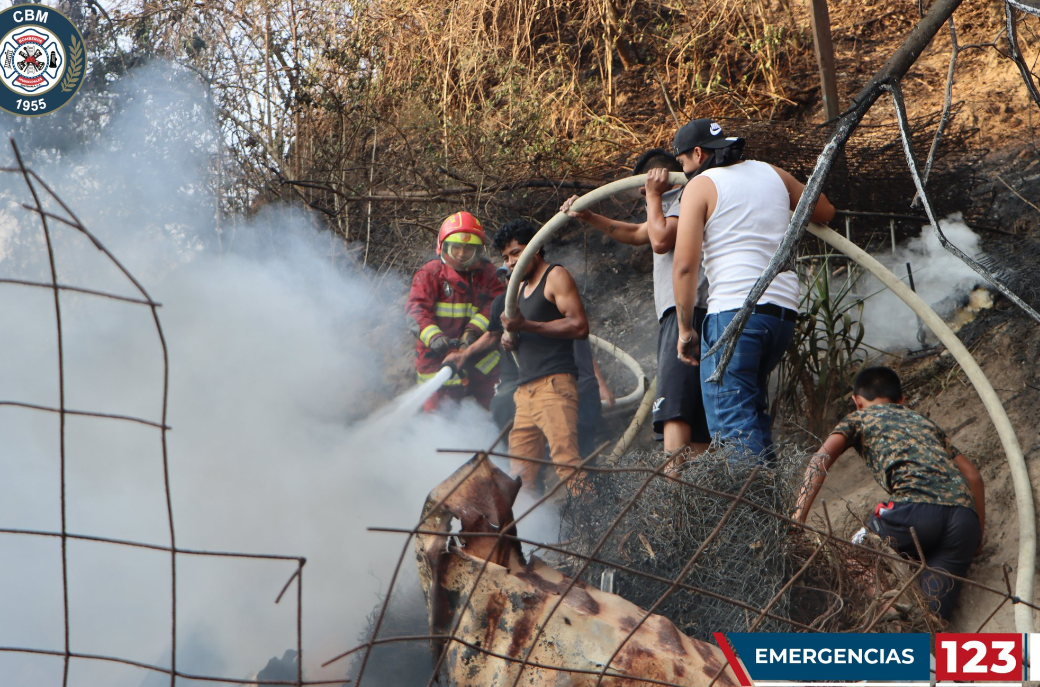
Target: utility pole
x=821, y=28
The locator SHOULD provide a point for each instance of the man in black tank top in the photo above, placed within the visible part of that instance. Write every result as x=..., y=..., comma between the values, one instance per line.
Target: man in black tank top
x=550, y=317
x=593, y=390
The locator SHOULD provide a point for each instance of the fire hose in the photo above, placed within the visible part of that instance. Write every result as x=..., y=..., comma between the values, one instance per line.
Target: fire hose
x=990, y=400
x=545, y=234
x=1008, y=439
x=628, y=361
x=633, y=398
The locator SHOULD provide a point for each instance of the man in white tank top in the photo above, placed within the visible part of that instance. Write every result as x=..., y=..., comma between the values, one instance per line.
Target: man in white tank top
x=735, y=211
x=678, y=415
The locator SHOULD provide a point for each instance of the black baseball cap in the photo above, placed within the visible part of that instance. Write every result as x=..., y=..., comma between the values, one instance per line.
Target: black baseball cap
x=700, y=133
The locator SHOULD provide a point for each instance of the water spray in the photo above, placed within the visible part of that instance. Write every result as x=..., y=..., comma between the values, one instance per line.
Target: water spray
x=412, y=401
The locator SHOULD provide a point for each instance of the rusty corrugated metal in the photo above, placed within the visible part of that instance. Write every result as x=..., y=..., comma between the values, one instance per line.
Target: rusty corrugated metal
x=499, y=601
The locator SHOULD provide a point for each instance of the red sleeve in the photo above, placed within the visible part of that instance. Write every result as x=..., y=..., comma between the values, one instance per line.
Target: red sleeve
x=420, y=307
x=490, y=288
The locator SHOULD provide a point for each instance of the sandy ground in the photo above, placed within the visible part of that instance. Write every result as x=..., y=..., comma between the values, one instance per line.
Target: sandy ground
x=1008, y=357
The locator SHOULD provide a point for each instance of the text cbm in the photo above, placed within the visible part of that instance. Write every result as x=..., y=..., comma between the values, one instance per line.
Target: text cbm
x=38, y=16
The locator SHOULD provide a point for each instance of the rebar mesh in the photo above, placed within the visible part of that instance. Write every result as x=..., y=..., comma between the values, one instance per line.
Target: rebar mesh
x=822, y=582
x=62, y=218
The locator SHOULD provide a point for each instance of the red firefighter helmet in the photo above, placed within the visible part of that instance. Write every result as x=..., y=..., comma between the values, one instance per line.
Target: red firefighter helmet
x=459, y=241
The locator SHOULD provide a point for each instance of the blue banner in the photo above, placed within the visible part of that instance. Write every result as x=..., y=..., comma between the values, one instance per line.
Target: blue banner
x=833, y=656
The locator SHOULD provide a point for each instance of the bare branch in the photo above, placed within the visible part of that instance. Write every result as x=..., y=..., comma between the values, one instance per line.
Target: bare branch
x=1014, y=51
x=947, y=105
x=904, y=129
x=894, y=68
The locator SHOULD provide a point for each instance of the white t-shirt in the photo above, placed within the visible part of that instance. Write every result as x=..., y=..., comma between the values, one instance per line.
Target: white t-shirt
x=743, y=233
x=664, y=294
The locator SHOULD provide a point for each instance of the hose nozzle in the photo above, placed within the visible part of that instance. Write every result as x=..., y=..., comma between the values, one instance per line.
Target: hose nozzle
x=451, y=366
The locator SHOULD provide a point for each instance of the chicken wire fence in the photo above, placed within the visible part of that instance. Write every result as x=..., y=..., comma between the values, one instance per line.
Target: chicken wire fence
x=663, y=529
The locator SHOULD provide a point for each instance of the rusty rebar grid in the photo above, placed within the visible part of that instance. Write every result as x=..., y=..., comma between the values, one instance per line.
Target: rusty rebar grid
x=918, y=567
x=828, y=533
x=41, y=192
x=826, y=537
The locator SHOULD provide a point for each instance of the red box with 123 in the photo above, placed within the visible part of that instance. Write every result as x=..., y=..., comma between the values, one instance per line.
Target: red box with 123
x=979, y=657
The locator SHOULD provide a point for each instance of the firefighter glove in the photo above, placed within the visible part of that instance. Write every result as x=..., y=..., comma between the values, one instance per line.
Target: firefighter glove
x=469, y=337
x=440, y=344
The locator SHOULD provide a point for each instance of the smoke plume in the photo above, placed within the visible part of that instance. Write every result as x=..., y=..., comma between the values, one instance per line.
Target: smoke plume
x=276, y=358
x=940, y=278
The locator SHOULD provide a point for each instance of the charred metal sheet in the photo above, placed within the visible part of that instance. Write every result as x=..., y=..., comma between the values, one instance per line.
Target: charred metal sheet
x=498, y=601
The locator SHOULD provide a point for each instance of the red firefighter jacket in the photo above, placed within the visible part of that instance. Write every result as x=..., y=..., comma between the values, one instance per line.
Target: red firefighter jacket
x=443, y=301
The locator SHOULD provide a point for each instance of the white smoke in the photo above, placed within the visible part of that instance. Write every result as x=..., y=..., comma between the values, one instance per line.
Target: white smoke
x=275, y=358
x=940, y=278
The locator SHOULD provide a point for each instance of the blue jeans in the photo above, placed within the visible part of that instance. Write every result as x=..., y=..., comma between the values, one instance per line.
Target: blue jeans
x=737, y=408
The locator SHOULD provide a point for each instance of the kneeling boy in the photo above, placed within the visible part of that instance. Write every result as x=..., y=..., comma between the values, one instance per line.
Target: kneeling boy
x=934, y=489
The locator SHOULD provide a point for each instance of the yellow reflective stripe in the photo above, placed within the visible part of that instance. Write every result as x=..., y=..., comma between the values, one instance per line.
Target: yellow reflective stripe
x=428, y=332
x=466, y=310
x=488, y=362
x=427, y=376
x=480, y=322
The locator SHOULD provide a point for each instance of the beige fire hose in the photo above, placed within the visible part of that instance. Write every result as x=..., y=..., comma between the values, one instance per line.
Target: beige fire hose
x=560, y=219
x=629, y=437
x=1008, y=439
x=628, y=361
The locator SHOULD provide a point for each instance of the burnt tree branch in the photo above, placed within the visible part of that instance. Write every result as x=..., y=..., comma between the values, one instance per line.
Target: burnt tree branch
x=1013, y=50
x=896, y=66
x=896, y=92
x=944, y=120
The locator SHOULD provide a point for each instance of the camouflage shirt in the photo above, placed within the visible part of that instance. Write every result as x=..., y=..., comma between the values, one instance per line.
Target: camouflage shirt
x=911, y=458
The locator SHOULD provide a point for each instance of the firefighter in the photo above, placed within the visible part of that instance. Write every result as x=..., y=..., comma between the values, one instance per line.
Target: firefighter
x=449, y=304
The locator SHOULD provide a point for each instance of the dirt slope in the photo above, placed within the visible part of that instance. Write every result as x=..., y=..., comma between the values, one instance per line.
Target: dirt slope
x=1008, y=356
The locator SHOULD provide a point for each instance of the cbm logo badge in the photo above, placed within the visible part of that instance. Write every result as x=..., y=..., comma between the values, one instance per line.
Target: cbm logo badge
x=41, y=60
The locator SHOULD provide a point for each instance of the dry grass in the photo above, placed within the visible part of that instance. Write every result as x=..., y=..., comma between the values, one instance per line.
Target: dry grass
x=471, y=95
x=387, y=115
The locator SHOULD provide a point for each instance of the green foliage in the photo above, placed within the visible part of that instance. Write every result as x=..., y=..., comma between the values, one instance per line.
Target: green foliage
x=827, y=348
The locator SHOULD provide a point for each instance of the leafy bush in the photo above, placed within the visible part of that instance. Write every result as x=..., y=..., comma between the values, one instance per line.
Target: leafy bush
x=815, y=378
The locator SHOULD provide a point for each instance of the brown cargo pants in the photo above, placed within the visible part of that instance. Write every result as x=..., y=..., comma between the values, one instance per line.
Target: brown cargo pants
x=546, y=410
